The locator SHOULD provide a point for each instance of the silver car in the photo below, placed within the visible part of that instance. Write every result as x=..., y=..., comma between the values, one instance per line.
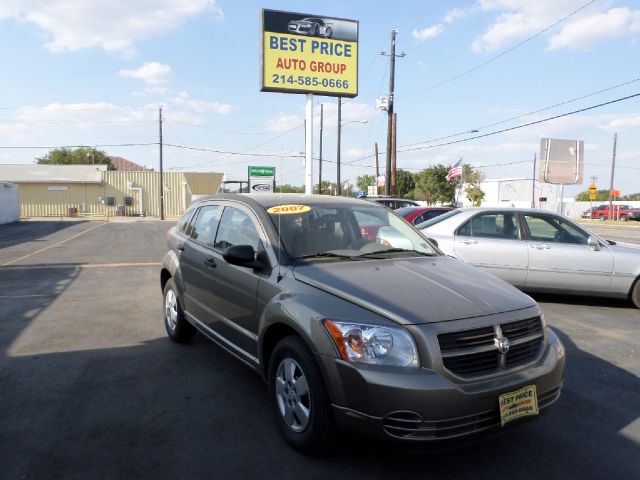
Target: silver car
x=538, y=251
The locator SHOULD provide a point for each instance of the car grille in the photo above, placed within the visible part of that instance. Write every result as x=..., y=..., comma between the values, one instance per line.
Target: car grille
x=474, y=352
x=410, y=425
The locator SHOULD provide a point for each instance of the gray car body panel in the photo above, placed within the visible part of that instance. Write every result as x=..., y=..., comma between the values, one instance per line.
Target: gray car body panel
x=432, y=295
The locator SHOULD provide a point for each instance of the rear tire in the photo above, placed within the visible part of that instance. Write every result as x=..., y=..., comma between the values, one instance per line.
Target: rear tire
x=299, y=397
x=601, y=217
x=623, y=218
x=178, y=328
x=635, y=293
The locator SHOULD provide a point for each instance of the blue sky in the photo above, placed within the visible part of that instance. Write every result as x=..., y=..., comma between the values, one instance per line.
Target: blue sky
x=94, y=73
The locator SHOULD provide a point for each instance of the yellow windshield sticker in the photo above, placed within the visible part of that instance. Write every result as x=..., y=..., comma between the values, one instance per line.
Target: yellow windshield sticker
x=288, y=209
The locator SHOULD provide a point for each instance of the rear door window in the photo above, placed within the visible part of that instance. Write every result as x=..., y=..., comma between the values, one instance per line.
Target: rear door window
x=203, y=228
x=492, y=225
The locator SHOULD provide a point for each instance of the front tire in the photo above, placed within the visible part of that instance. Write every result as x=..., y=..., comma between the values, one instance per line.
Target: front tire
x=178, y=328
x=635, y=293
x=299, y=397
x=623, y=218
x=601, y=217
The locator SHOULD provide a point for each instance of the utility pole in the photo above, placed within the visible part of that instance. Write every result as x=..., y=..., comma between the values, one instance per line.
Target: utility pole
x=613, y=169
x=387, y=183
x=320, y=160
x=393, y=155
x=161, y=172
x=533, y=182
x=338, y=186
x=377, y=168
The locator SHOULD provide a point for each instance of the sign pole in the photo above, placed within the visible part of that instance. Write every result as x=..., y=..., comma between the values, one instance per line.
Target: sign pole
x=308, y=184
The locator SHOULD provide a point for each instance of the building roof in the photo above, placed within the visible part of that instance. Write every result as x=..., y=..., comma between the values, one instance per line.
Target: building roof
x=125, y=165
x=35, y=173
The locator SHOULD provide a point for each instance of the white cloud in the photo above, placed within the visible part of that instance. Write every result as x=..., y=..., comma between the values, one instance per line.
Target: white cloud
x=153, y=73
x=151, y=91
x=584, y=32
x=426, y=33
x=432, y=32
x=283, y=123
x=75, y=25
x=631, y=121
x=356, y=152
x=518, y=19
x=185, y=102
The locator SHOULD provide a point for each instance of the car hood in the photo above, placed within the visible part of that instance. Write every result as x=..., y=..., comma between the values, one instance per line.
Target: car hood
x=415, y=290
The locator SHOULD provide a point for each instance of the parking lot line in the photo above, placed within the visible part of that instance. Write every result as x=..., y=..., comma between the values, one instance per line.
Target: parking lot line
x=80, y=265
x=52, y=246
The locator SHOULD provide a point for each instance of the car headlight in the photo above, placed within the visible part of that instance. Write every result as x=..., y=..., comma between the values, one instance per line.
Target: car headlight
x=373, y=344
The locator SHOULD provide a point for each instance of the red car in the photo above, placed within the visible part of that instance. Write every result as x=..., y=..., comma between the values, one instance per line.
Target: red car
x=620, y=212
x=416, y=215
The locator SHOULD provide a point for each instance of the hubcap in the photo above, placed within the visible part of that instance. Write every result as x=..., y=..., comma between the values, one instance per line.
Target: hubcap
x=171, y=310
x=292, y=395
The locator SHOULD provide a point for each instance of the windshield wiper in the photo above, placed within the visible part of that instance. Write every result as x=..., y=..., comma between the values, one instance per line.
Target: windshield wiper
x=323, y=255
x=396, y=250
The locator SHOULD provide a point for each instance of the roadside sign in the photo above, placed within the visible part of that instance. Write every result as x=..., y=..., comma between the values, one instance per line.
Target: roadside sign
x=303, y=53
x=592, y=188
x=261, y=179
x=592, y=195
x=615, y=193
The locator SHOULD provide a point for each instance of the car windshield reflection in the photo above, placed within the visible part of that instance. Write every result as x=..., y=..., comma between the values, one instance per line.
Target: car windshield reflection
x=347, y=232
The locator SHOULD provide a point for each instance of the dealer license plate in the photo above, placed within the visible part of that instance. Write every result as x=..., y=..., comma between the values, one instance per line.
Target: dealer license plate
x=520, y=403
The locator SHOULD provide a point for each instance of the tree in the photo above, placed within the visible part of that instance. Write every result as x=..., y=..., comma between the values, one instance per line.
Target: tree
x=472, y=180
x=633, y=197
x=363, y=181
x=601, y=196
x=405, y=184
x=79, y=156
x=431, y=185
x=286, y=188
x=328, y=188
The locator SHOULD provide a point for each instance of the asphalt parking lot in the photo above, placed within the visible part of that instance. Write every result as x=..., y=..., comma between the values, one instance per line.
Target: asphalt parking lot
x=92, y=388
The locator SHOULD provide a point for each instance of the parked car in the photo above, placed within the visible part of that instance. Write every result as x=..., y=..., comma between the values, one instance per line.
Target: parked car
x=539, y=251
x=394, y=203
x=403, y=344
x=417, y=215
x=312, y=26
x=589, y=212
x=619, y=212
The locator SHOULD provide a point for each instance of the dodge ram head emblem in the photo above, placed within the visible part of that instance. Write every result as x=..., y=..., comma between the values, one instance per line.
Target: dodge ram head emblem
x=502, y=344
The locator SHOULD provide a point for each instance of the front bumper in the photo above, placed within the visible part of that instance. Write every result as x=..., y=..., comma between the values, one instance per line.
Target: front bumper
x=422, y=405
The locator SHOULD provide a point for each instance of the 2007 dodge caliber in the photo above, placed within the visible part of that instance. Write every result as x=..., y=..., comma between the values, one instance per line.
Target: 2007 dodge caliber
x=356, y=321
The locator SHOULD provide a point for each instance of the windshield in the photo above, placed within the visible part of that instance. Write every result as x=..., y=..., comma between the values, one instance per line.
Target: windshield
x=346, y=231
x=437, y=219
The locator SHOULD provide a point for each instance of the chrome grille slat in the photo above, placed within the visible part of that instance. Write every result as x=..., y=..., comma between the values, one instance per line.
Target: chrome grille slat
x=472, y=352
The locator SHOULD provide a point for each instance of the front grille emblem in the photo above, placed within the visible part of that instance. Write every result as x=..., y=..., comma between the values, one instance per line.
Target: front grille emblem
x=502, y=344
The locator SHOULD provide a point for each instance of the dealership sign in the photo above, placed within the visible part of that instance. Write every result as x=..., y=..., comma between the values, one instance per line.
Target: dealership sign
x=261, y=179
x=303, y=53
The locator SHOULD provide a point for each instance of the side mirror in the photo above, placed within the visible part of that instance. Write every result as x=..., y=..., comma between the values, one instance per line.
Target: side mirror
x=241, y=255
x=432, y=240
x=593, y=243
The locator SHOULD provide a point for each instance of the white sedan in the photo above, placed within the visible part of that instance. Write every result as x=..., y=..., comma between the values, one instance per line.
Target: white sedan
x=538, y=251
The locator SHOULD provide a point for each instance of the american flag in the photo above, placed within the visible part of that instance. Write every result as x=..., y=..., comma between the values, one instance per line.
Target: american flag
x=455, y=171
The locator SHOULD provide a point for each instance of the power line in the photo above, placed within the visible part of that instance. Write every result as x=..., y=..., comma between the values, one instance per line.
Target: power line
x=501, y=54
x=51, y=147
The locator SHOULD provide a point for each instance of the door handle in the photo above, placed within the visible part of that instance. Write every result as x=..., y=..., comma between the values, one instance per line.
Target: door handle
x=541, y=247
x=210, y=262
x=469, y=242
x=180, y=246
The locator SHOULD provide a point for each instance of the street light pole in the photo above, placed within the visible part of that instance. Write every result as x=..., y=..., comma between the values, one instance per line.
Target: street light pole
x=320, y=159
x=161, y=172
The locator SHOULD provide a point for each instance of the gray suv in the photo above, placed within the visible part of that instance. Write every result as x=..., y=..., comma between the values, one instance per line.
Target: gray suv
x=398, y=342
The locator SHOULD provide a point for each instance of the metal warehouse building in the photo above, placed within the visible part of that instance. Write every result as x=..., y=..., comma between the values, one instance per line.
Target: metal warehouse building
x=60, y=190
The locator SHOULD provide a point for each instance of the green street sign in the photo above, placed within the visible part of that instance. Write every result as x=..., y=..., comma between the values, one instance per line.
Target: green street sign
x=262, y=171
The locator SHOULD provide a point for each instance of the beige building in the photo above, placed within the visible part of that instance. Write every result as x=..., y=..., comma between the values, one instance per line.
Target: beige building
x=58, y=190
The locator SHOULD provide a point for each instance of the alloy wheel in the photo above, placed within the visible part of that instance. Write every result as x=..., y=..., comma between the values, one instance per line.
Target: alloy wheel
x=171, y=310
x=292, y=395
